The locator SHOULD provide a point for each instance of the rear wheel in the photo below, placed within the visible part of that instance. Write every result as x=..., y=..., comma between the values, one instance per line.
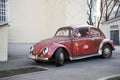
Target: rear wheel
x=106, y=51
x=59, y=57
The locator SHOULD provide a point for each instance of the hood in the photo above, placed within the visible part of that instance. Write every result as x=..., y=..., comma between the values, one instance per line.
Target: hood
x=38, y=48
x=50, y=41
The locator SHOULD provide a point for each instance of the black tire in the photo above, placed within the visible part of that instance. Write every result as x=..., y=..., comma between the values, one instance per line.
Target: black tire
x=37, y=61
x=59, y=57
x=106, y=51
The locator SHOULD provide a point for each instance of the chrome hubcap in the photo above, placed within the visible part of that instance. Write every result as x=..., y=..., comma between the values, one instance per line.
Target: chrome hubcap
x=107, y=51
x=61, y=57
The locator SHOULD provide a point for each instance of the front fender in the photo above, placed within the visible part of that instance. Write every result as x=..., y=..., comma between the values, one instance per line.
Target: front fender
x=55, y=46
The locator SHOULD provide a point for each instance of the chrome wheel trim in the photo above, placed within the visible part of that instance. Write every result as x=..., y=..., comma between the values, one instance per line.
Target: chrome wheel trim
x=107, y=52
x=61, y=57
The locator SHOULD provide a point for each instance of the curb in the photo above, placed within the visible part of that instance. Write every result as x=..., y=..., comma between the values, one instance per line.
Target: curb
x=105, y=78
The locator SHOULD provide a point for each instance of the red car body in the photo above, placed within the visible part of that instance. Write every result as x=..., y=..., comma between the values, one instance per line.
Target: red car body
x=72, y=42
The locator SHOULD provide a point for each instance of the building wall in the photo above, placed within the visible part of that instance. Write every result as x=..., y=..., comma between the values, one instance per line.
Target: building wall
x=3, y=43
x=76, y=12
x=34, y=20
x=106, y=27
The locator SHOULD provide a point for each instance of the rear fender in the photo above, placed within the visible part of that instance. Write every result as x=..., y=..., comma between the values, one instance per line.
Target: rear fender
x=105, y=41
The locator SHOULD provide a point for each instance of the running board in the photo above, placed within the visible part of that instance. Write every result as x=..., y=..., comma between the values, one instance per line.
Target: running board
x=81, y=57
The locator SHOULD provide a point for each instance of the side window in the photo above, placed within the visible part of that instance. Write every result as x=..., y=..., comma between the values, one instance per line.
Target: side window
x=95, y=33
x=3, y=11
x=77, y=34
x=82, y=32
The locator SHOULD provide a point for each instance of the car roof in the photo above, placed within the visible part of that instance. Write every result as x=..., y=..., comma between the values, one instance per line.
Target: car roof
x=78, y=26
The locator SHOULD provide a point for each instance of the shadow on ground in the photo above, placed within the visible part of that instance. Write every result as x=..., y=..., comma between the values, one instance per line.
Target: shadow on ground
x=17, y=71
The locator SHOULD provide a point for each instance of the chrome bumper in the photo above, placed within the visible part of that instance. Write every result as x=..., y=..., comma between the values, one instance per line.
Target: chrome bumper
x=35, y=57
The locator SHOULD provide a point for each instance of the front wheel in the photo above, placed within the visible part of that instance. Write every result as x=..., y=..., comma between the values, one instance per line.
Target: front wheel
x=106, y=51
x=37, y=61
x=59, y=57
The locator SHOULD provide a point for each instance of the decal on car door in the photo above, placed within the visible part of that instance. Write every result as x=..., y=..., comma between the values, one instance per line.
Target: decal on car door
x=76, y=45
x=85, y=46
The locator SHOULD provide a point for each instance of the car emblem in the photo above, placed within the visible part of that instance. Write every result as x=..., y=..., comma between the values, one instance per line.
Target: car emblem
x=85, y=46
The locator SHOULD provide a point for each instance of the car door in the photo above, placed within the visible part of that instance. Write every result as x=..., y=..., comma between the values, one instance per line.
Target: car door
x=81, y=42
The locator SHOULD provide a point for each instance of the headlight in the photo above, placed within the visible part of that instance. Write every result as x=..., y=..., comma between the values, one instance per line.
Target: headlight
x=31, y=48
x=45, y=50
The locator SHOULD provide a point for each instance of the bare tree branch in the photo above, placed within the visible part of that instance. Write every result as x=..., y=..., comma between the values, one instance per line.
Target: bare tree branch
x=106, y=8
x=117, y=10
x=112, y=8
x=109, y=3
x=101, y=13
x=90, y=6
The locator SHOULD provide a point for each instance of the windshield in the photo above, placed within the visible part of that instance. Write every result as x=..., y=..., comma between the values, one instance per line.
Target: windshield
x=64, y=32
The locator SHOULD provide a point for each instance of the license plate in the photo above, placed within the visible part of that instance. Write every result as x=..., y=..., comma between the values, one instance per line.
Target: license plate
x=32, y=56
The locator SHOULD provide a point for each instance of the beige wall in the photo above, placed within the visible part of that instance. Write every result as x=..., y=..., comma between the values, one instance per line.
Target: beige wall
x=76, y=12
x=3, y=43
x=34, y=20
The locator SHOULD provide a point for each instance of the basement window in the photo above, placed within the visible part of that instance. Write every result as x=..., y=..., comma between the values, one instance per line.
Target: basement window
x=3, y=12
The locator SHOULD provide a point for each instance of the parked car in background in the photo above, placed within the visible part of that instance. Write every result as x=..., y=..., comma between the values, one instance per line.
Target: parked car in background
x=71, y=43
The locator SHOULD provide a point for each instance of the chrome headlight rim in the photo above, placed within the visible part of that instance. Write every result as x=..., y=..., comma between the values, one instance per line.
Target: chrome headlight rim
x=45, y=50
x=31, y=48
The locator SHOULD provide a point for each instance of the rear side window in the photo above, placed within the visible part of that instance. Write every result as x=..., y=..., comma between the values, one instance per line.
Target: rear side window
x=95, y=32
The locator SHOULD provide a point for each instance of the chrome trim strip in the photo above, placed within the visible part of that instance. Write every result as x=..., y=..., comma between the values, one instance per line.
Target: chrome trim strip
x=80, y=39
x=64, y=41
x=81, y=57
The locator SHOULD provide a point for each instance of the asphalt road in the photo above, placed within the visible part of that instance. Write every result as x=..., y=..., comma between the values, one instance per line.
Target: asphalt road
x=86, y=69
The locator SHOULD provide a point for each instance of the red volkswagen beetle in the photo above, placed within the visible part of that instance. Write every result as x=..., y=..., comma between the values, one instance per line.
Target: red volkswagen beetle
x=72, y=42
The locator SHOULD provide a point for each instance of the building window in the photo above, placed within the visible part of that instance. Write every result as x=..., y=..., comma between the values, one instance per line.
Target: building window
x=3, y=12
x=114, y=27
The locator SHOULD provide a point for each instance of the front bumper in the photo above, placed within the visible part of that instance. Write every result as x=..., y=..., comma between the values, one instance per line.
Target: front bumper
x=36, y=57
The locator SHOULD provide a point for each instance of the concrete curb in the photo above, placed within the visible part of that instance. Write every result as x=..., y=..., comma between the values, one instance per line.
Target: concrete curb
x=26, y=67
x=105, y=78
